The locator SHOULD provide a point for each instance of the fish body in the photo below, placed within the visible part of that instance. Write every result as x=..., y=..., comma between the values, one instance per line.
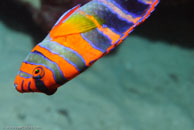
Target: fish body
x=80, y=37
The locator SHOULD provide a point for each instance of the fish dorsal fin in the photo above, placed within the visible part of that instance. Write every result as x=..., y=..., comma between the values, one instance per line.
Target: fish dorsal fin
x=73, y=22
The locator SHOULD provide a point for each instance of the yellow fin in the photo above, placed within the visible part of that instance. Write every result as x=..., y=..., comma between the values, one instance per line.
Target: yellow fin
x=76, y=23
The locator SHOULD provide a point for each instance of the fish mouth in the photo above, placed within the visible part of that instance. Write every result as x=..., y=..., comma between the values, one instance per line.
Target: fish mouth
x=23, y=86
x=15, y=85
x=20, y=89
x=20, y=82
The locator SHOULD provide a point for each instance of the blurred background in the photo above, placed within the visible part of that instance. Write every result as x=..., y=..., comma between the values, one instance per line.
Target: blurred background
x=147, y=83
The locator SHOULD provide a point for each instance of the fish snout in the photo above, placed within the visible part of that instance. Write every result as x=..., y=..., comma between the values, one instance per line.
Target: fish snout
x=21, y=84
x=17, y=86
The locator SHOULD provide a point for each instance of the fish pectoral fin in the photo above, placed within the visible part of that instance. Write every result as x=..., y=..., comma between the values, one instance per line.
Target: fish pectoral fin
x=67, y=14
x=76, y=23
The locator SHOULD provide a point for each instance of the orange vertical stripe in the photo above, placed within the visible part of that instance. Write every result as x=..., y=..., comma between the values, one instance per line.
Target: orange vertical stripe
x=78, y=44
x=68, y=70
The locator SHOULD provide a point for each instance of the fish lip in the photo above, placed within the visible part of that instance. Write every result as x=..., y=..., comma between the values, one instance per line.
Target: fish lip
x=15, y=85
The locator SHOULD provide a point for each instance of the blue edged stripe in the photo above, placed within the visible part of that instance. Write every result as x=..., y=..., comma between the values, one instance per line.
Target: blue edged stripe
x=110, y=18
x=97, y=40
x=131, y=6
x=124, y=11
x=90, y=42
x=37, y=58
x=24, y=74
x=67, y=54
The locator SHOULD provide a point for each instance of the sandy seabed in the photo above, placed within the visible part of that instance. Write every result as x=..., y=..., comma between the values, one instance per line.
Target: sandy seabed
x=146, y=85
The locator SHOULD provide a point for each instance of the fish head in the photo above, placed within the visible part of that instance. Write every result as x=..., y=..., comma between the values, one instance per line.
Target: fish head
x=36, y=75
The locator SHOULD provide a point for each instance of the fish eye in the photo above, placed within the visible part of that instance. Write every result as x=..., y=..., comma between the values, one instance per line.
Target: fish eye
x=38, y=73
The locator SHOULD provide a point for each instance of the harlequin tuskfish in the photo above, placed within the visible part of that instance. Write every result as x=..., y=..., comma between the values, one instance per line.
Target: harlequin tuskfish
x=80, y=37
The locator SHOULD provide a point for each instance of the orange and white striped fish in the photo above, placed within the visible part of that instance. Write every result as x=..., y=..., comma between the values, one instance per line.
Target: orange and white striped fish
x=79, y=38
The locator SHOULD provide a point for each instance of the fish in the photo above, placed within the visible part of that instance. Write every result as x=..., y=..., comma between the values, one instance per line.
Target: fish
x=78, y=39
